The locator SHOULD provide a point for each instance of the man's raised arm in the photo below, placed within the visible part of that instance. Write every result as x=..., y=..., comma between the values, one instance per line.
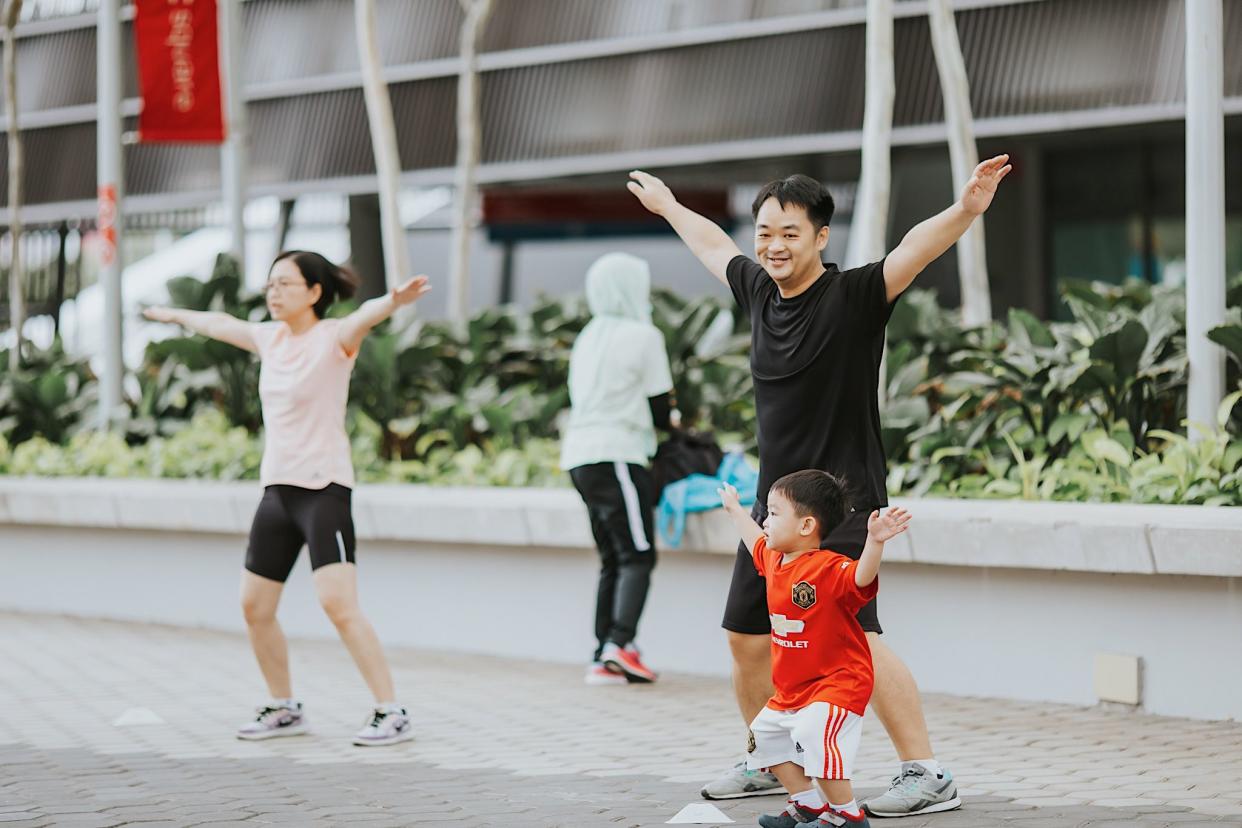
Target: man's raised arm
x=704, y=237
x=927, y=240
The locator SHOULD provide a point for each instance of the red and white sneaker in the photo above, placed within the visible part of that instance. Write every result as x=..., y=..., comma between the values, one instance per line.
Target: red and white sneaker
x=626, y=660
x=598, y=675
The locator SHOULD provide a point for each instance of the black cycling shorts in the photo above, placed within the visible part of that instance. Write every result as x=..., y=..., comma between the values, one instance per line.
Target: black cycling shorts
x=290, y=517
x=746, y=610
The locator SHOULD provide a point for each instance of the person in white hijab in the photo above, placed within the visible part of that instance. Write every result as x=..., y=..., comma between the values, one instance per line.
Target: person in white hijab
x=620, y=390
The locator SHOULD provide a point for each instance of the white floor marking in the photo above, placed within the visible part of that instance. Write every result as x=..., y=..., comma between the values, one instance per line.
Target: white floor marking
x=699, y=813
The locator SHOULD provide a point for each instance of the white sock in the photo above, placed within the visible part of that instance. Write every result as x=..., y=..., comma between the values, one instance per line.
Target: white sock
x=850, y=807
x=930, y=765
x=810, y=798
x=292, y=704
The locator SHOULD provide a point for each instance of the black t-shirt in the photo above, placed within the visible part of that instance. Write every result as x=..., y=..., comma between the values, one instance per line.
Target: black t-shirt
x=815, y=359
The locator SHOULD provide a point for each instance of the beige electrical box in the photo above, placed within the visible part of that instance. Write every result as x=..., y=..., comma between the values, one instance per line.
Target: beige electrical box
x=1118, y=678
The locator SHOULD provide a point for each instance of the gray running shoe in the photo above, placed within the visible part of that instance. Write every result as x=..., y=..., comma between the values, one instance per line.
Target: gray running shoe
x=274, y=720
x=739, y=782
x=793, y=816
x=916, y=791
x=386, y=726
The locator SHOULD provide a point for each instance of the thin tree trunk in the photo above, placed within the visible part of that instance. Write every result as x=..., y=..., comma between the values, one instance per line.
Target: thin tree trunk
x=383, y=143
x=17, y=276
x=869, y=225
x=477, y=12
x=972, y=265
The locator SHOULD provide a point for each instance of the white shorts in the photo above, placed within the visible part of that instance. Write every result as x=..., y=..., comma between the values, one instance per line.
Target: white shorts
x=821, y=737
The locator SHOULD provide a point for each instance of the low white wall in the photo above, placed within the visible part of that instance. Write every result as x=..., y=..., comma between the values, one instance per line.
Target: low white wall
x=981, y=598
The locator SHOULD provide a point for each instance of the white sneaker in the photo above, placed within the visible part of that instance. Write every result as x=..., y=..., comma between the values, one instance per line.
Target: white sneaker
x=598, y=675
x=387, y=726
x=275, y=720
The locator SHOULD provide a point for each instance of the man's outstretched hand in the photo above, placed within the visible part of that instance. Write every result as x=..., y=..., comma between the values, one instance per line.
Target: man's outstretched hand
x=651, y=191
x=977, y=196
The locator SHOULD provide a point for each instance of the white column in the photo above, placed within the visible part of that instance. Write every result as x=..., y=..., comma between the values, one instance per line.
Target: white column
x=1205, y=208
x=383, y=145
x=972, y=267
x=110, y=177
x=476, y=14
x=869, y=225
x=234, y=153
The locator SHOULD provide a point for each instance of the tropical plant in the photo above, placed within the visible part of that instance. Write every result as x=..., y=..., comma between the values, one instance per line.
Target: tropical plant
x=49, y=396
x=965, y=403
x=1088, y=408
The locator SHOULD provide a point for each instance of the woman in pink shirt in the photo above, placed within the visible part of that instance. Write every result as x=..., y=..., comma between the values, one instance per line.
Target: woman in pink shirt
x=307, y=475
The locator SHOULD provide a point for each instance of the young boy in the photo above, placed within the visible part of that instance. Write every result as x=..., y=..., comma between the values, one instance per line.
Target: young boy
x=821, y=664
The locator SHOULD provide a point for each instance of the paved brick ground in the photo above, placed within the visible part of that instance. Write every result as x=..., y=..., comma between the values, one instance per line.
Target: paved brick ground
x=505, y=743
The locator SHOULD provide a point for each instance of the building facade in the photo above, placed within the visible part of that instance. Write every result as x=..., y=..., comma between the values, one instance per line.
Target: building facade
x=716, y=96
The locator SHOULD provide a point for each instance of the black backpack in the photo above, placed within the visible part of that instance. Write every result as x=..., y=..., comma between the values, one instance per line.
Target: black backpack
x=685, y=453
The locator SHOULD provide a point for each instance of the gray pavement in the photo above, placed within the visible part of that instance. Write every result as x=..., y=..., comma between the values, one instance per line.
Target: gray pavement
x=510, y=743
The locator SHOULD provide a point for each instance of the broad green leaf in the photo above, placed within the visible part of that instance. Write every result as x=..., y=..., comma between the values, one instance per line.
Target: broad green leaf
x=1068, y=426
x=1121, y=348
x=1230, y=338
x=1225, y=412
x=1028, y=331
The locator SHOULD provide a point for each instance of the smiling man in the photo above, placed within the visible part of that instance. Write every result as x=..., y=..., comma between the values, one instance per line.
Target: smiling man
x=817, y=335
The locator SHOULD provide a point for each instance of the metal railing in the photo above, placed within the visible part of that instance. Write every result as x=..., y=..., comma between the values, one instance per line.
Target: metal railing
x=52, y=262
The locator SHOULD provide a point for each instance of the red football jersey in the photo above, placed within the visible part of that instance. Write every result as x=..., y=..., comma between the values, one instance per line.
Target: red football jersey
x=819, y=651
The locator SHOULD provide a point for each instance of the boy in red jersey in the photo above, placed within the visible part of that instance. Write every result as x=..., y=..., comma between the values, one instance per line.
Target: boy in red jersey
x=821, y=664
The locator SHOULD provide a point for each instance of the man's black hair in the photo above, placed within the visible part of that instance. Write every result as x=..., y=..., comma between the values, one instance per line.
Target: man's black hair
x=800, y=191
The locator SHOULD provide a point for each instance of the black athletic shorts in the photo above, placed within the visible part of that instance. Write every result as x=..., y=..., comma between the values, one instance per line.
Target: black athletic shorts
x=290, y=517
x=746, y=610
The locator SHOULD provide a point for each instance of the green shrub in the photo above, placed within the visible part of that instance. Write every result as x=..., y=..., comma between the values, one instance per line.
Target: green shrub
x=1089, y=408
x=208, y=448
x=87, y=454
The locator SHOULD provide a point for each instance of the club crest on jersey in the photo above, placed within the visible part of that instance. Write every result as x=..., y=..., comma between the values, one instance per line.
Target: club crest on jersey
x=804, y=594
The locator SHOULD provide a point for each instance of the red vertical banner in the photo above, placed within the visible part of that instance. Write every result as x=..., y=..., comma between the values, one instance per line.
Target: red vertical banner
x=179, y=71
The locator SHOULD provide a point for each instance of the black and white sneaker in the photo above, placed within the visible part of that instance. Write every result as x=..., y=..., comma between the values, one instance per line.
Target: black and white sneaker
x=274, y=720
x=387, y=726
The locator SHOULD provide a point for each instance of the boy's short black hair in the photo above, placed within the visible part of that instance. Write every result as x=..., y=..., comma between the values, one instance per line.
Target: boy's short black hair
x=818, y=494
x=800, y=191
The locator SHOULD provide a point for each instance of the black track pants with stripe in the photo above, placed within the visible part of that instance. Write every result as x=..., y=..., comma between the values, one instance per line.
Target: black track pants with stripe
x=620, y=498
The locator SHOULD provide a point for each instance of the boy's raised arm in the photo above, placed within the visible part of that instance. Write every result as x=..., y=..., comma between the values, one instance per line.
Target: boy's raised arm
x=746, y=526
x=881, y=528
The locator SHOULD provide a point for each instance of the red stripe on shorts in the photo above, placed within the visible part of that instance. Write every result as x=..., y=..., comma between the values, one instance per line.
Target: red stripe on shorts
x=836, y=746
x=836, y=717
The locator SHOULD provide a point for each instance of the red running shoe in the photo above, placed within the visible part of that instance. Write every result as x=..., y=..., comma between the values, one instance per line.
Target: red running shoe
x=626, y=661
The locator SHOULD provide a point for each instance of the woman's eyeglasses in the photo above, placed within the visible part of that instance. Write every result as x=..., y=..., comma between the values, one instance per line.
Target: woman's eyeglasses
x=282, y=285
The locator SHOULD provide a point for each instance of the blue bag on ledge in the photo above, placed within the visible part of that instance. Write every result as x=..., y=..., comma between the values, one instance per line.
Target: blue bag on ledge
x=697, y=493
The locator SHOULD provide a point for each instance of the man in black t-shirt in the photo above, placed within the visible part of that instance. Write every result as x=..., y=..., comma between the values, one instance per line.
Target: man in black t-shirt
x=817, y=335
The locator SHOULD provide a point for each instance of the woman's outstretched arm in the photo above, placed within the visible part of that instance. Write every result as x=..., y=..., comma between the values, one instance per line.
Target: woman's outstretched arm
x=221, y=326
x=358, y=324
